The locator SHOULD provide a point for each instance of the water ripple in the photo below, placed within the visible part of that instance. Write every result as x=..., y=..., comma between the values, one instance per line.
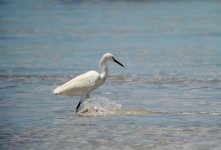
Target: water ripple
x=117, y=77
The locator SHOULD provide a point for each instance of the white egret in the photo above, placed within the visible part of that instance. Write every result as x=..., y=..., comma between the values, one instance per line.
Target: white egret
x=83, y=84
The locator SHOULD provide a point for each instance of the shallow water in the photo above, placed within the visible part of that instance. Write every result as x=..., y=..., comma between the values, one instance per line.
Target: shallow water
x=167, y=97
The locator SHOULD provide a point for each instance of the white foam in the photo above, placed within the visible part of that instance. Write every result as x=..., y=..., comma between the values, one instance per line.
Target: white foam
x=98, y=106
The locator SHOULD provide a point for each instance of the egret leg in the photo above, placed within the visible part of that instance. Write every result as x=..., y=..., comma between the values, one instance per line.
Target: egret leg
x=81, y=100
x=79, y=104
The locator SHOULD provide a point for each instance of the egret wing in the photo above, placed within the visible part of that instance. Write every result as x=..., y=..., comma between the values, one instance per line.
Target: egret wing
x=79, y=85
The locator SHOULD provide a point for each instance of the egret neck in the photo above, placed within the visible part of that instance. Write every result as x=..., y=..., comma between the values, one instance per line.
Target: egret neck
x=104, y=70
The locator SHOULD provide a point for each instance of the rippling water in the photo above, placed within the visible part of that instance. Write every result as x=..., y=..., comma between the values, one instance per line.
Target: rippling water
x=167, y=97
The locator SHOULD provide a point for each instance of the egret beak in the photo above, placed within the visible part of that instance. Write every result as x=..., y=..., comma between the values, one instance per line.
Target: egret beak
x=118, y=62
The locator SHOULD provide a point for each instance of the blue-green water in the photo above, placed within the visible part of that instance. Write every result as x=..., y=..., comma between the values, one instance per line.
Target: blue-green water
x=169, y=91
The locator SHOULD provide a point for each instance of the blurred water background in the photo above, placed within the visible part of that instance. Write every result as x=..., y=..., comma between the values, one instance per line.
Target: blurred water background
x=169, y=91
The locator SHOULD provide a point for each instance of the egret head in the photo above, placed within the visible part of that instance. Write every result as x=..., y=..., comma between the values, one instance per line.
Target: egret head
x=109, y=57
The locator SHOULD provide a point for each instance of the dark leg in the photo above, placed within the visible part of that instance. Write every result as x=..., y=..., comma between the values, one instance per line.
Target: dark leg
x=83, y=98
x=78, y=106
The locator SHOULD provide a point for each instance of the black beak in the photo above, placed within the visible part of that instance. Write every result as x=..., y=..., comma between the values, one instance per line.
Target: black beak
x=117, y=62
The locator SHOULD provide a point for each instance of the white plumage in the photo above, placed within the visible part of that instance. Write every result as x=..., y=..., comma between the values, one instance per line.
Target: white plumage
x=79, y=85
x=83, y=84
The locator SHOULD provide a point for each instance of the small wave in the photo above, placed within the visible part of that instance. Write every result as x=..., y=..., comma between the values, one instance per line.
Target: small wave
x=145, y=112
x=155, y=79
x=161, y=79
x=102, y=106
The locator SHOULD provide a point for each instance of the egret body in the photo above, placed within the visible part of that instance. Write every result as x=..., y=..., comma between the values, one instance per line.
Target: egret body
x=84, y=84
